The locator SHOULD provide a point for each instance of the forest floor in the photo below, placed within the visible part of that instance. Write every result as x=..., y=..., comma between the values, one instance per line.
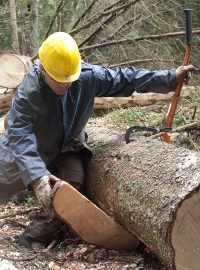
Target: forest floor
x=72, y=254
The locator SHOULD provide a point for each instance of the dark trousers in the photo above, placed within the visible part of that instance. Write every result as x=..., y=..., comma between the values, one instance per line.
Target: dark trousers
x=46, y=227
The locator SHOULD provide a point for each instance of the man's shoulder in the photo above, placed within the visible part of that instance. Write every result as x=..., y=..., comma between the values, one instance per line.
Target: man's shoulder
x=30, y=84
x=86, y=66
x=91, y=70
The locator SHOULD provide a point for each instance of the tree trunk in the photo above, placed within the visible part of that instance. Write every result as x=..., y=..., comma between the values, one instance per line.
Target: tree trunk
x=34, y=31
x=30, y=28
x=13, y=19
x=152, y=189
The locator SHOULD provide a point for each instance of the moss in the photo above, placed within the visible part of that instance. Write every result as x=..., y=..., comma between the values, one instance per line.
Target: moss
x=145, y=224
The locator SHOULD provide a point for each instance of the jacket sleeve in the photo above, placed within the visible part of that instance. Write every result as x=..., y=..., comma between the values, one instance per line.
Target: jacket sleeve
x=22, y=139
x=123, y=82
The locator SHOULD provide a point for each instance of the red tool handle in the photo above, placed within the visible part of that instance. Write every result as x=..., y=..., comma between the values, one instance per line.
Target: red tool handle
x=174, y=102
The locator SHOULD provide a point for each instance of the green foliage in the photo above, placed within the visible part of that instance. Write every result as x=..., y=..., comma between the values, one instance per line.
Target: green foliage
x=154, y=116
x=145, y=116
x=30, y=201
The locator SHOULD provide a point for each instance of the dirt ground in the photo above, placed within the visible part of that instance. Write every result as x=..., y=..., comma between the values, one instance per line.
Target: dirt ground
x=71, y=254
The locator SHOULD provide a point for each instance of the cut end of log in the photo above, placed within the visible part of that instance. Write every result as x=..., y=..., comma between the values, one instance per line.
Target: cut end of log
x=88, y=221
x=13, y=69
x=186, y=234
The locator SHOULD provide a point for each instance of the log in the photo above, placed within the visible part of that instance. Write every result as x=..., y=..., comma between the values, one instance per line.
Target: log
x=1, y=125
x=152, y=189
x=138, y=99
x=6, y=96
x=91, y=224
x=13, y=68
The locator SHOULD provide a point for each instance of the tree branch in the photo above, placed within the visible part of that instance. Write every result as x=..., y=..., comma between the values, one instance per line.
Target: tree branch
x=59, y=8
x=102, y=14
x=188, y=127
x=18, y=259
x=87, y=10
x=138, y=61
x=108, y=20
x=91, y=37
x=129, y=40
x=19, y=212
x=126, y=23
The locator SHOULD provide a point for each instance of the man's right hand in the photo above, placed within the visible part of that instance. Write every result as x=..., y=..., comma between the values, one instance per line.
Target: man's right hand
x=43, y=190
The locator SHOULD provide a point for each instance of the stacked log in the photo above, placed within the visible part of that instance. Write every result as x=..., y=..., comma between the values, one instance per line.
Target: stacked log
x=152, y=189
x=13, y=68
x=6, y=96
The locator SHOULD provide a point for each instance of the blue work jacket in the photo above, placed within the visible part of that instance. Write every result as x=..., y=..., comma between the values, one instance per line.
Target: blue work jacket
x=42, y=124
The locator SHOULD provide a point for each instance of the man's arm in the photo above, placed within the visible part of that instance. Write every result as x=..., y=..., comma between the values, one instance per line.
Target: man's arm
x=22, y=139
x=123, y=82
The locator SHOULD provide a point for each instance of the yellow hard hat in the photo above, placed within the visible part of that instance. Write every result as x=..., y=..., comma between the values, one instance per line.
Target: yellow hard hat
x=60, y=57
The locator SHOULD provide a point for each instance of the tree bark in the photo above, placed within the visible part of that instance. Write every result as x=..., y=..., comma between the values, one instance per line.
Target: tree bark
x=13, y=20
x=6, y=96
x=34, y=29
x=137, y=99
x=152, y=189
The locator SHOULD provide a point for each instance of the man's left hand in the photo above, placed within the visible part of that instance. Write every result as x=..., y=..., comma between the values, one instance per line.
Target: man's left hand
x=184, y=73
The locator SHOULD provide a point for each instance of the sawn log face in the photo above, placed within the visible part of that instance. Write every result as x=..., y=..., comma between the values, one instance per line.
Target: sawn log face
x=142, y=185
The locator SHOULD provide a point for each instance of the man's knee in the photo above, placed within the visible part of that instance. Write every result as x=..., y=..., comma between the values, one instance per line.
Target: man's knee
x=71, y=169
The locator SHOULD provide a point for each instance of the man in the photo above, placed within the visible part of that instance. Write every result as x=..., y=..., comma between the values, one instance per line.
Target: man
x=45, y=140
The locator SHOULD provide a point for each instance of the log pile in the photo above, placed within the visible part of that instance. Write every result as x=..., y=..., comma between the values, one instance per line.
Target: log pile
x=13, y=68
x=152, y=189
x=6, y=96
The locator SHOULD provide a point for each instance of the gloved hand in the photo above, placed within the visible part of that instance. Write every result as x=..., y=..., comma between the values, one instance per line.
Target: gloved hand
x=43, y=190
x=184, y=72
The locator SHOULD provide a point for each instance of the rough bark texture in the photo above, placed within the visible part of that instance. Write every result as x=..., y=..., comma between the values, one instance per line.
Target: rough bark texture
x=142, y=185
x=14, y=31
x=138, y=99
x=5, y=100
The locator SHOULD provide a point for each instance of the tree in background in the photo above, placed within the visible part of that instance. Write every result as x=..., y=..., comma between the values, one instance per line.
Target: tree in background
x=14, y=30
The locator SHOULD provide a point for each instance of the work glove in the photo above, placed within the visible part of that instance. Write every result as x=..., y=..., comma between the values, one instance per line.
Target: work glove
x=42, y=189
x=184, y=72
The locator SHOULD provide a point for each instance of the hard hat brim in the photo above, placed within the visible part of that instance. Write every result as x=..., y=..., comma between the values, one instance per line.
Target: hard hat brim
x=69, y=79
